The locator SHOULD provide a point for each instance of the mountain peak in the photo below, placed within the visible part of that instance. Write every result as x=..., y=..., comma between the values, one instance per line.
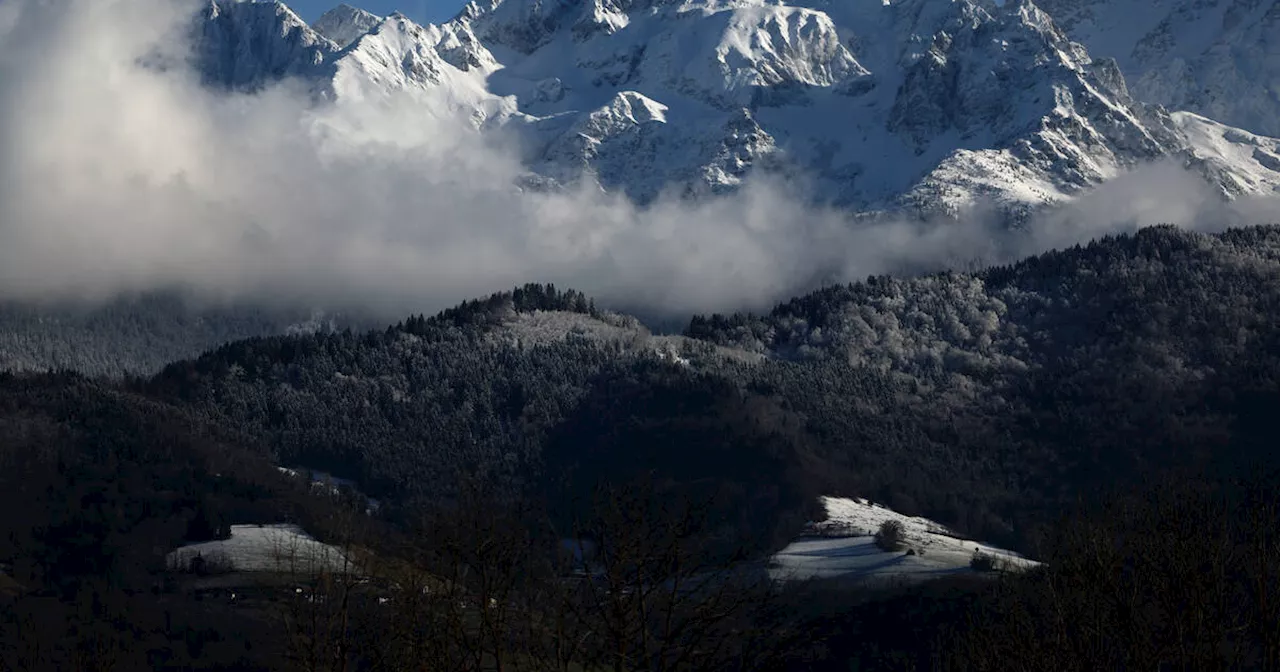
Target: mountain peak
x=244, y=45
x=345, y=24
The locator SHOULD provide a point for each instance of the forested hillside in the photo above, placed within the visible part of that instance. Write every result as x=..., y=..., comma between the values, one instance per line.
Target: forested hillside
x=993, y=402
x=986, y=401
x=1096, y=364
x=477, y=390
x=135, y=335
x=98, y=485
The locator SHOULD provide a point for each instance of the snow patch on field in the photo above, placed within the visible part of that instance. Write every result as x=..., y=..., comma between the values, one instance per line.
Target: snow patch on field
x=264, y=548
x=843, y=547
x=325, y=483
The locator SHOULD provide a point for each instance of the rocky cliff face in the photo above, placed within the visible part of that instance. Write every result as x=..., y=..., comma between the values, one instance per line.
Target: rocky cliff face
x=244, y=45
x=1217, y=58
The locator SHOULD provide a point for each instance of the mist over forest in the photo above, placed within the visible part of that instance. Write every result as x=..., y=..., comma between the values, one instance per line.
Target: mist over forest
x=121, y=175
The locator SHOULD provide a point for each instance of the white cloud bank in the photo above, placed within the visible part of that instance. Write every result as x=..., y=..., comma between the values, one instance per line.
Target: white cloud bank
x=115, y=177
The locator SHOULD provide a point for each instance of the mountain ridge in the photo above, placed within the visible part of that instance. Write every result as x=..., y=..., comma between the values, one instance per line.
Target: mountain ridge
x=916, y=106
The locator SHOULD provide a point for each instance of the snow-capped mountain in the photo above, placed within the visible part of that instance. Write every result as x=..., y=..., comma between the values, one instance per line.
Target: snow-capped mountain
x=1218, y=58
x=932, y=106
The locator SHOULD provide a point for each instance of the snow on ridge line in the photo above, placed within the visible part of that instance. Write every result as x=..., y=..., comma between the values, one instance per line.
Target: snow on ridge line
x=345, y=24
x=866, y=516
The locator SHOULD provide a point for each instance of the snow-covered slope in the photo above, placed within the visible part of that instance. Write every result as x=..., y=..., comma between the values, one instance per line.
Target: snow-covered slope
x=399, y=56
x=843, y=547
x=1242, y=163
x=1218, y=58
x=264, y=548
x=918, y=104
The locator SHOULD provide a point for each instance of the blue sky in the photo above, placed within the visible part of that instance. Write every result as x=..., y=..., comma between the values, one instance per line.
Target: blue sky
x=433, y=11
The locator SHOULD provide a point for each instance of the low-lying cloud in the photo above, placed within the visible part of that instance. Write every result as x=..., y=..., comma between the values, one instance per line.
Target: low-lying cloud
x=115, y=177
